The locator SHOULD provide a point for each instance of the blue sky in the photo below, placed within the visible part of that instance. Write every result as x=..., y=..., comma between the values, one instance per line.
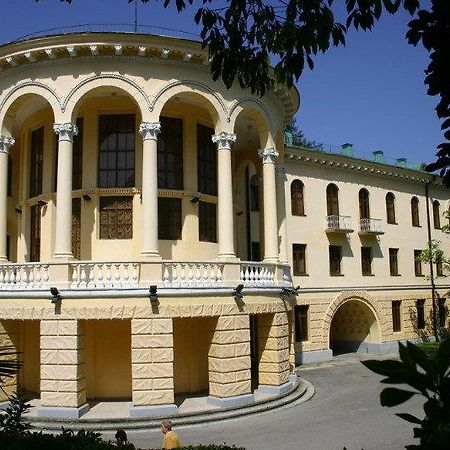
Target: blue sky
x=370, y=93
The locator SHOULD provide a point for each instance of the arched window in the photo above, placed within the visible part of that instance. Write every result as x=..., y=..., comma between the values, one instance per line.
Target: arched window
x=415, y=212
x=332, y=200
x=364, y=210
x=254, y=193
x=297, y=203
x=390, y=208
x=436, y=215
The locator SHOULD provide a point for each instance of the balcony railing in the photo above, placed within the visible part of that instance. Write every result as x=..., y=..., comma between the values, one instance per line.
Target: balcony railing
x=339, y=224
x=370, y=226
x=126, y=275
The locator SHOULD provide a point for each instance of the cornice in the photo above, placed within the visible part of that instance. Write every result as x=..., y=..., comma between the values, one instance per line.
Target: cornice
x=356, y=165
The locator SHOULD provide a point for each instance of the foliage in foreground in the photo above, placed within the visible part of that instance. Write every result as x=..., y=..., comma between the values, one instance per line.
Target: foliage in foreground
x=16, y=434
x=426, y=376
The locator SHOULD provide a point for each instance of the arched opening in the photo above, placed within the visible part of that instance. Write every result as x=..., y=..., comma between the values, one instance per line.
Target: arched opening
x=364, y=208
x=297, y=198
x=415, y=212
x=332, y=200
x=354, y=328
x=436, y=215
x=390, y=208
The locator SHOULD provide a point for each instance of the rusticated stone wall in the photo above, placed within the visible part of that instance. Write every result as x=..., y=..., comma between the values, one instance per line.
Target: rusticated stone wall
x=63, y=381
x=229, y=357
x=274, y=348
x=9, y=337
x=152, y=361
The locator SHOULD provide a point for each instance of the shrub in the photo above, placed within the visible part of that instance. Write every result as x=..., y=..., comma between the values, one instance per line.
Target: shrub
x=430, y=349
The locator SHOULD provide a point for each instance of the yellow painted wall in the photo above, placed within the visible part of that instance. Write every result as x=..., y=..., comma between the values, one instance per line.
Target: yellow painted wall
x=192, y=340
x=108, y=358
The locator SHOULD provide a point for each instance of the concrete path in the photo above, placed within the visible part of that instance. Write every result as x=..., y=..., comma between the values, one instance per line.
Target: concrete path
x=345, y=411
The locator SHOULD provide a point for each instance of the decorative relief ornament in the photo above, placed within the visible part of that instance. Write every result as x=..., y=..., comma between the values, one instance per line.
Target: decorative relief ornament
x=268, y=155
x=5, y=143
x=65, y=131
x=150, y=130
x=224, y=140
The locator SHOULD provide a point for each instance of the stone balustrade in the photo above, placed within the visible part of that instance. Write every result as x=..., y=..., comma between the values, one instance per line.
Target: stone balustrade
x=123, y=275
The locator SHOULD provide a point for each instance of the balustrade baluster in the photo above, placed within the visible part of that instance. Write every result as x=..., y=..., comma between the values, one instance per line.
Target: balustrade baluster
x=108, y=275
x=126, y=275
x=135, y=276
x=83, y=276
x=91, y=278
x=166, y=276
x=100, y=275
x=74, y=283
x=117, y=282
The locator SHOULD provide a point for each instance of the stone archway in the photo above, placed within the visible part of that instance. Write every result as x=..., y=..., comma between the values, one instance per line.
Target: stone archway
x=354, y=328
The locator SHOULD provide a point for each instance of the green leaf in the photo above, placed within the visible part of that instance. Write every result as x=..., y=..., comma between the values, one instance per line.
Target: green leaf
x=409, y=418
x=393, y=396
x=421, y=359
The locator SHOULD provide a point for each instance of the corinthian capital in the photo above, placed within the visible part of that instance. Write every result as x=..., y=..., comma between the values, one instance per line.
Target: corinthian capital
x=268, y=155
x=5, y=143
x=224, y=140
x=150, y=130
x=65, y=131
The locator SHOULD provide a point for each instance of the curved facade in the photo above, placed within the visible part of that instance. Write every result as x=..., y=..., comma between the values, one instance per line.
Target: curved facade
x=150, y=222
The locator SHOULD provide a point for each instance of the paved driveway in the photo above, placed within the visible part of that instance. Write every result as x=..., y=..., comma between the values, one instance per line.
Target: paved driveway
x=344, y=411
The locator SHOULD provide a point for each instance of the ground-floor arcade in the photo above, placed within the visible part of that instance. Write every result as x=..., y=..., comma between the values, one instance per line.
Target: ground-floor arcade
x=128, y=351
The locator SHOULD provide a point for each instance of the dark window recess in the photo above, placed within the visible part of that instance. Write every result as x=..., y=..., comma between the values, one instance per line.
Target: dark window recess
x=297, y=201
x=8, y=247
x=36, y=161
x=116, y=217
x=439, y=266
x=35, y=233
x=254, y=193
x=256, y=251
x=299, y=259
x=390, y=208
x=417, y=263
x=364, y=209
x=76, y=228
x=10, y=173
x=207, y=222
x=77, y=157
x=116, y=151
x=420, y=307
x=393, y=261
x=169, y=218
x=442, y=310
x=335, y=254
x=206, y=161
x=436, y=215
x=332, y=200
x=415, y=212
x=301, y=323
x=366, y=260
x=396, y=315
x=170, y=154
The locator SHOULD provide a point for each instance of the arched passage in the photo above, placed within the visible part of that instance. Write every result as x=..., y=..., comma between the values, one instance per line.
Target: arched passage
x=353, y=328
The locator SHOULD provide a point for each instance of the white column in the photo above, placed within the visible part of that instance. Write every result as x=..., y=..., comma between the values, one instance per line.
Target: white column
x=63, y=236
x=149, y=132
x=5, y=143
x=281, y=210
x=224, y=141
x=268, y=156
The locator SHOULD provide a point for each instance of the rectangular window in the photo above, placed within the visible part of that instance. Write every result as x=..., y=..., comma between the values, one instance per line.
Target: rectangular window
x=170, y=154
x=366, y=260
x=417, y=263
x=301, y=323
x=207, y=222
x=169, y=218
x=256, y=251
x=116, y=150
x=36, y=161
x=299, y=258
x=396, y=315
x=35, y=233
x=420, y=306
x=206, y=161
x=116, y=217
x=335, y=254
x=442, y=310
x=439, y=266
x=393, y=261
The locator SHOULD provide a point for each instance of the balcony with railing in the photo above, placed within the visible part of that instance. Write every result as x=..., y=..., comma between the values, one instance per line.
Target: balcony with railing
x=370, y=226
x=338, y=224
x=94, y=277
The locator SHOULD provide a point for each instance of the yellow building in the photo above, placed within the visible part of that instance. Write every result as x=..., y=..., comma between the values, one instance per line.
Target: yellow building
x=150, y=220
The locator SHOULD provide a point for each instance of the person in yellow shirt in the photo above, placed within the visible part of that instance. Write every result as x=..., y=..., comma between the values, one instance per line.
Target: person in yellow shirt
x=171, y=439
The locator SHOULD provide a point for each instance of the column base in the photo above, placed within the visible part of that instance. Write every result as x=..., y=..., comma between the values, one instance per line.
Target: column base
x=278, y=390
x=229, y=402
x=153, y=411
x=57, y=412
x=227, y=257
x=152, y=256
